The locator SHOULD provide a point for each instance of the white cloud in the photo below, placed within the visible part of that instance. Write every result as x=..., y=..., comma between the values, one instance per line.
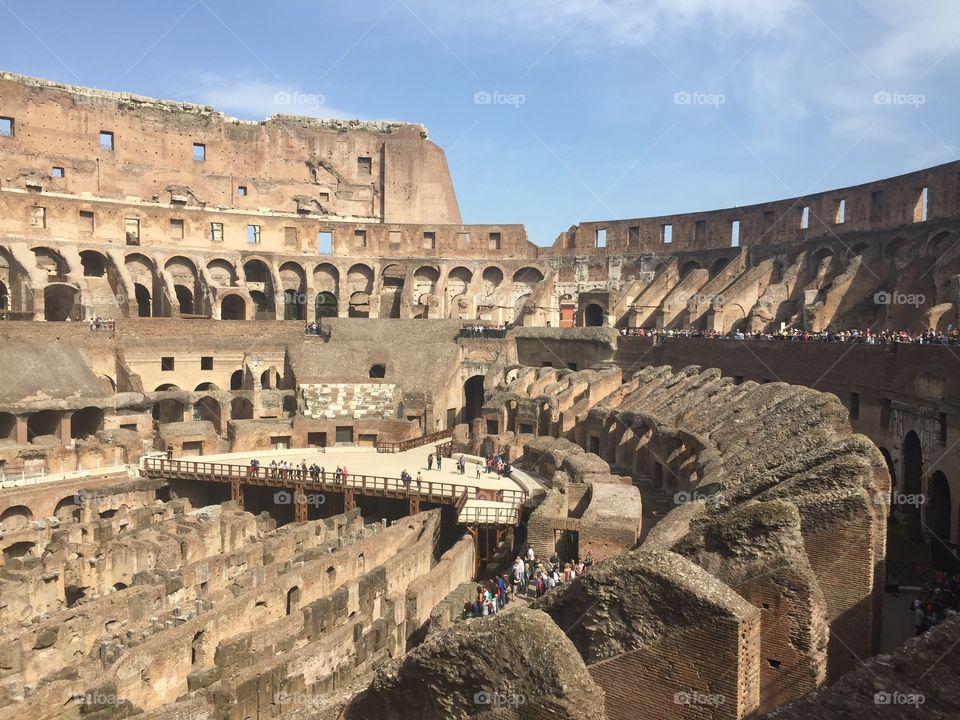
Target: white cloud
x=258, y=99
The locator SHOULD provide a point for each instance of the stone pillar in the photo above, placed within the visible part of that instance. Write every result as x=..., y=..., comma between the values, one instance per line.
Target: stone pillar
x=66, y=423
x=349, y=501
x=299, y=504
x=22, y=435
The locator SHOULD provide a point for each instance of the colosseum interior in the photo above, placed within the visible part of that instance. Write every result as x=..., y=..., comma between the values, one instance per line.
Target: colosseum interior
x=182, y=293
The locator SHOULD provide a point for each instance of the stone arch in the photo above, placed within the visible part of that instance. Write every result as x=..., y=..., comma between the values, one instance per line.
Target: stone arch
x=359, y=305
x=86, y=422
x=326, y=278
x=519, y=308
x=186, y=283
x=458, y=300
x=293, y=600
x=939, y=508
x=262, y=305
x=492, y=279
x=912, y=465
x=425, y=279
x=241, y=409
x=821, y=259
x=206, y=387
x=94, y=264
x=528, y=276
x=473, y=397
x=895, y=248
x=888, y=459
x=593, y=315
x=184, y=299
x=61, y=301
x=688, y=267
x=294, y=304
x=167, y=410
x=15, y=517
x=360, y=280
x=293, y=276
x=326, y=305
x=44, y=422
x=222, y=273
x=233, y=307
x=208, y=408
x=8, y=426
x=393, y=277
x=67, y=508
x=734, y=317
x=236, y=380
x=144, y=302
x=50, y=261
x=717, y=266
x=941, y=244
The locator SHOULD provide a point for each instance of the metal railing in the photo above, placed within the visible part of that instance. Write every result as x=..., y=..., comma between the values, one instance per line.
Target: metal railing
x=378, y=485
x=388, y=447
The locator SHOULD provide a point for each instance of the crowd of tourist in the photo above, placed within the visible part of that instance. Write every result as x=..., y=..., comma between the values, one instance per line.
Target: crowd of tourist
x=484, y=331
x=98, y=323
x=528, y=576
x=868, y=336
x=284, y=470
x=939, y=597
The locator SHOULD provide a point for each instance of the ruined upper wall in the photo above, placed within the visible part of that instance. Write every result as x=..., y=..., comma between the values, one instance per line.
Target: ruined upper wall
x=375, y=171
x=929, y=194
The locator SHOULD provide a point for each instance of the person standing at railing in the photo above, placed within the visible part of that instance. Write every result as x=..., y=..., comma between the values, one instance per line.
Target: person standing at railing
x=419, y=481
x=345, y=475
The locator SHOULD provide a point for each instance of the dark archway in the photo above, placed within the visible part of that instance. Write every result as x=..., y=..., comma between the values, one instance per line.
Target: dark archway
x=689, y=267
x=4, y=297
x=912, y=484
x=67, y=509
x=472, y=398
x=167, y=411
x=236, y=380
x=293, y=600
x=717, y=267
x=359, y=305
x=888, y=459
x=15, y=517
x=45, y=422
x=294, y=305
x=94, y=264
x=939, y=510
x=184, y=299
x=265, y=380
x=86, y=422
x=241, y=409
x=207, y=408
x=143, y=300
x=262, y=306
x=61, y=302
x=8, y=426
x=233, y=307
x=326, y=305
x=593, y=315
x=206, y=387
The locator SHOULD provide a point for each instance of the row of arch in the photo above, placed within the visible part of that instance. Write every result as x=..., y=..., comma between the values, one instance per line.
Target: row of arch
x=84, y=422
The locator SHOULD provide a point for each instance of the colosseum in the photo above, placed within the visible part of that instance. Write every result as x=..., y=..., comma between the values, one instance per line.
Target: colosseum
x=281, y=437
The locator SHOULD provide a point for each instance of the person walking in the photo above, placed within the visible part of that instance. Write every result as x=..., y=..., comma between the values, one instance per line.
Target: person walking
x=439, y=459
x=430, y=461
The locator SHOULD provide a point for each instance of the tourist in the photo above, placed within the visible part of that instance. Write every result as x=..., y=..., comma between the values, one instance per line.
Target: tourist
x=344, y=475
x=439, y=459
x=588, y=561
x=429, y=462
x=303, y=469
x=478, y=471
x=273, y=468
x=338, y=474
x=419, y=480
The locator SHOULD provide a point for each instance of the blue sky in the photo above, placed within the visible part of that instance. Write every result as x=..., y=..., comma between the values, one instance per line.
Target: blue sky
x=553, y=111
